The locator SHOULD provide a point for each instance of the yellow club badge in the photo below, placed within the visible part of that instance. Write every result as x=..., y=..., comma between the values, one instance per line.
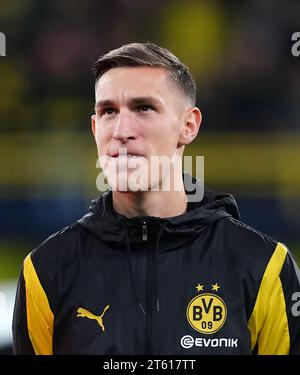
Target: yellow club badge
x=206, y=312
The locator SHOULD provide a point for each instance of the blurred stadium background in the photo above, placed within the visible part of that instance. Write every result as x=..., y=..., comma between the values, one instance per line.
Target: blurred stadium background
x=248, y=90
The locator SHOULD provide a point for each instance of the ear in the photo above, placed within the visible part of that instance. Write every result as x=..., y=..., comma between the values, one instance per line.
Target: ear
x=93, y=123
x=191, y=126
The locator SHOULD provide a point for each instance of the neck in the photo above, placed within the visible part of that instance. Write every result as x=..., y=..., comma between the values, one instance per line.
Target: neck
x=150, y=203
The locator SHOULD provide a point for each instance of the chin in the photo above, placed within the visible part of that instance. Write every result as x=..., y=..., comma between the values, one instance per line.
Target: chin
x=129, y=182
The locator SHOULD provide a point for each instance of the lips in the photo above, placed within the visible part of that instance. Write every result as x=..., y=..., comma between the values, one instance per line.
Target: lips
x=116, y=154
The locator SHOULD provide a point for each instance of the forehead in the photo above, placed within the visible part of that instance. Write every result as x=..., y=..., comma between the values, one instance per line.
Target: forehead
x=141, y=81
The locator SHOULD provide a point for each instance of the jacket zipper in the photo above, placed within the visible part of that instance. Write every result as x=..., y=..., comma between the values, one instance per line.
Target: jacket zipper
x=144, y=231
x=149, y=291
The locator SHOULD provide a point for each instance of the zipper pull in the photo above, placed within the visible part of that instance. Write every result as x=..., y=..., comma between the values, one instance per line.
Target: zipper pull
x=144, y=231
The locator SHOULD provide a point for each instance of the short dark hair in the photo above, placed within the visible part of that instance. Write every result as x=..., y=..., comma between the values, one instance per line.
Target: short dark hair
x=148, y=54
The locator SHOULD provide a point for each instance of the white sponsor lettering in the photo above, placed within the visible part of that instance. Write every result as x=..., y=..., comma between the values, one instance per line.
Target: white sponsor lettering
x=188, y=342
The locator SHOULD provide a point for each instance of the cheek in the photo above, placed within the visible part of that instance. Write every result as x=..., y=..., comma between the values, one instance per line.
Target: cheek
x=102, y=140
x=167, y=136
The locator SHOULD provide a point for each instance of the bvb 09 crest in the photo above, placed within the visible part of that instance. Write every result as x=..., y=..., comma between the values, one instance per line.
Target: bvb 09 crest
x=206, y=312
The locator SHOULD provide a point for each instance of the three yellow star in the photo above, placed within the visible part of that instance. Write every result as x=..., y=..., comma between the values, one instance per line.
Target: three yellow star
x=199, y=287
x=215, y=287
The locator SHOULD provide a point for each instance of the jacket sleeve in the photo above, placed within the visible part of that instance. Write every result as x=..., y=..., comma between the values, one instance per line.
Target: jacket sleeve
x=21, y=340
x=33, y=318
x=275, y=320
x=290, y=280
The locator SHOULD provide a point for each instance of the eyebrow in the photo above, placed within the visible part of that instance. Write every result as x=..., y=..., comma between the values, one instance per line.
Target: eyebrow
x=132, y=101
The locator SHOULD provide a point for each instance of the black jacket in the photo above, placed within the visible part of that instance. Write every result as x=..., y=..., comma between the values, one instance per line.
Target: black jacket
x=199, y=283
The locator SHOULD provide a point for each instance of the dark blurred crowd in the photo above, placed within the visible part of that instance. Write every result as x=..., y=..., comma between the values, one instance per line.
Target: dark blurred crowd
x=239, y=53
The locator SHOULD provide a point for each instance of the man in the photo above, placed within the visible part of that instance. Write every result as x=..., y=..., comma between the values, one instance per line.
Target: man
x=147, y=271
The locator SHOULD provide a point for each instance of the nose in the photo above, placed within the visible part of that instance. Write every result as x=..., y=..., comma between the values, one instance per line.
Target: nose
x=124, y=128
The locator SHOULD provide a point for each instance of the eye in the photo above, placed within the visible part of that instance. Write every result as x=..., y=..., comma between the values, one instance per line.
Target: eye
x=144, y=108
x=108, y=111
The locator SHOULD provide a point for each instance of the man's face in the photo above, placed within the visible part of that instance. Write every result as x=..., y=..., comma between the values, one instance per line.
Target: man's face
x=138, y=111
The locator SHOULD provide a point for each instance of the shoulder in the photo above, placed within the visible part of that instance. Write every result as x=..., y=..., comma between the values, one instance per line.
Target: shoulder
x=255, y=250
x=249, y=247
x=60, y=246
x=239, y=233
x=56, y=253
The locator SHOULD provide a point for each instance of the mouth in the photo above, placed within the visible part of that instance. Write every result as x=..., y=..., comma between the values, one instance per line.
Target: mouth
x=126, y=155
